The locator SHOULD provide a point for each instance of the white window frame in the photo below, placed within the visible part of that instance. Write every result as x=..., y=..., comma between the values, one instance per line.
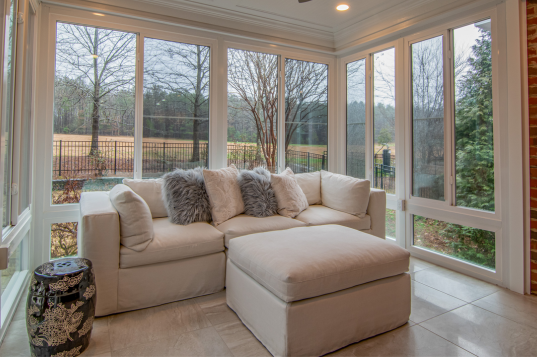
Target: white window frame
x=284, y=53
x=391, y=199
x=441, y=210
x=446, y=210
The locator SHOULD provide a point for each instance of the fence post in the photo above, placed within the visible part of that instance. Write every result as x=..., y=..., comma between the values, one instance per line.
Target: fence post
x=308, y=162
x=164, y=157
x=323, y=163
x=60, y=160
x=244, y=157
x=115, y=157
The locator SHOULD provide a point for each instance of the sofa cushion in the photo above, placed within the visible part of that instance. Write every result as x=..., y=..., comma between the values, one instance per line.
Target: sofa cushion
x=151, y=191
x=305, y=262
x=310, y=183
x=243, y=225
x=224, y=193
x=345, y=193
x=291, y=199
x=185, y=196
x=136, y=226
x=318, y=215
x=257, y=193
x=175, y=242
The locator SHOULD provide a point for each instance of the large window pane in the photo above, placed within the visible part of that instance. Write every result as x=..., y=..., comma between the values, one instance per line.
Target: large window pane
x=63, y=240
x=473, y=245
x=391, y=228
x=384, y=120
x=474, y=144
x=94, y=105
x=252, y=109
x=306, y=116
x=13, y=268
x=356, y=89
x=176, y=106
x=7, y=105
x=428, y=119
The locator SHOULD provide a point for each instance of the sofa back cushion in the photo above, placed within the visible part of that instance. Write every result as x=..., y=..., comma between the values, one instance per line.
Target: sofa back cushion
x=291, y=199
x=224, y=193
x=310, y=183
x=151, y=192
x=345, y=193
x=185, y=196
x=135, y=222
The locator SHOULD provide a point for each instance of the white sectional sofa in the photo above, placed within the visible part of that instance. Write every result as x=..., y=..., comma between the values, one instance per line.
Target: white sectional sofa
x=182, y=262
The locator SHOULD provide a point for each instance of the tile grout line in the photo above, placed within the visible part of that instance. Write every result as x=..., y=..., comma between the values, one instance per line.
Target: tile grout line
x=468, y=302
x=507, y=318
x=473, y=354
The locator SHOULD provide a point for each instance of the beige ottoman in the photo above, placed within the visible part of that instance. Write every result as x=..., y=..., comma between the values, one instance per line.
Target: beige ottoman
x=312, y=290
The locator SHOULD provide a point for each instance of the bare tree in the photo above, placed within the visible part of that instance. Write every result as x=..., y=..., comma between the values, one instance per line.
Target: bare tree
x=104, y=59
x=181, y=69
x=253, y=77
x=306, y=96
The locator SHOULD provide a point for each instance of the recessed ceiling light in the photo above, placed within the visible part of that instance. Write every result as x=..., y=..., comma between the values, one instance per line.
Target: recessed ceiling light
x=98, y=14
x=342, y=7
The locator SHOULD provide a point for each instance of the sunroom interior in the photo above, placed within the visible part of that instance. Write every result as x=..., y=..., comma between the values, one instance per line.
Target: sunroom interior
x=426, y=99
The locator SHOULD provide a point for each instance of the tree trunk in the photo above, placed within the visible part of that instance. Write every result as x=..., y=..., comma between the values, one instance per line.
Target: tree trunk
x=197, y=109
x=95, y=118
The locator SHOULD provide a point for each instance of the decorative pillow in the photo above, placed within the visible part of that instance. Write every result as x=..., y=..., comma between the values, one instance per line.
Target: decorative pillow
x=185, y=197
x=151, y=192
x=291, y=199
x=257, y=193
x=135, y=222
x=345, y=193
x=310, y=183
x=224, y=193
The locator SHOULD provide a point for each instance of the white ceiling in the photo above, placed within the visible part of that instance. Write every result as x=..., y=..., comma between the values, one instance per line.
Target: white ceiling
x=315, y=25
x=317, y=14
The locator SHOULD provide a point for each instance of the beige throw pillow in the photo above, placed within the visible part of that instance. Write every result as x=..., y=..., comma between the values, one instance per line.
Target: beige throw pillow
x=345, y=193
x=151, y=191
x=135, y=222
x=224, y=193
x=310, y=183
x=291, y=199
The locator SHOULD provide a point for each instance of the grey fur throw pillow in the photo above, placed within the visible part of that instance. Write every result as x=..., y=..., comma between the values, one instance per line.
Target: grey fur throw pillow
x=257, y=193
x=185, y=197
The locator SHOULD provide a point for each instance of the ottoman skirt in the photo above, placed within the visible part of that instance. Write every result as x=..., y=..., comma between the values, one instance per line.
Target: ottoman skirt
x=318, y=325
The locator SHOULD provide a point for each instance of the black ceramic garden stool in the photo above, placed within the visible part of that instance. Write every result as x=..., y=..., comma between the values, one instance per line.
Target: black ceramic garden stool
x=61, y=308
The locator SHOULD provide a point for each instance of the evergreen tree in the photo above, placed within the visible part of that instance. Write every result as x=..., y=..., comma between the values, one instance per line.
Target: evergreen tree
x=474, y=149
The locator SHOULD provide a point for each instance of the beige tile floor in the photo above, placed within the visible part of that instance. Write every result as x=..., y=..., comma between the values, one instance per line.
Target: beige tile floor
x=452, y=315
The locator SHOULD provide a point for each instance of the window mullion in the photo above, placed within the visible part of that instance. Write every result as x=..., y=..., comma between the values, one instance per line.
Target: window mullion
x=281, y=114
x=369, y=119
x=449, y=125
x=139, y=111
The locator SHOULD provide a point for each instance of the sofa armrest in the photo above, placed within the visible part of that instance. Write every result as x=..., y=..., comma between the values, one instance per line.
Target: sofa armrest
x=99, y=241
x=377, y=211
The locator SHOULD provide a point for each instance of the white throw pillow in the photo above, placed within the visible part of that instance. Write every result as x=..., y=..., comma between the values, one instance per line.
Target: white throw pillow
x=310, y=183
x=291, y=199
x=151, y=191
x=135, y=222
x=345, y=193
x=224, y=193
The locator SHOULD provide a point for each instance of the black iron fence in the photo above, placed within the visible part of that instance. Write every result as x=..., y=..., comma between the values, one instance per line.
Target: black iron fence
x=116, y=158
